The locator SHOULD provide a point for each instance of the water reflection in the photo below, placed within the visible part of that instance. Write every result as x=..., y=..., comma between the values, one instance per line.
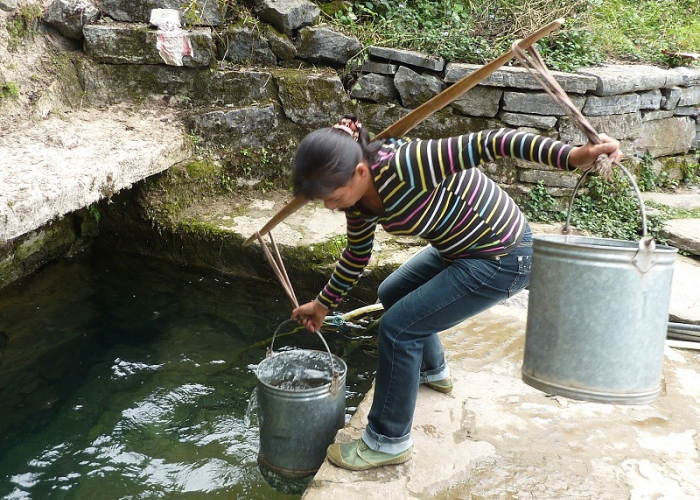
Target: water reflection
x=131, y=378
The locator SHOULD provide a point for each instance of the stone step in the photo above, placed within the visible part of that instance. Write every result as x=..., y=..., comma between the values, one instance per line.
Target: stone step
x=683, y=234
x=136, y=43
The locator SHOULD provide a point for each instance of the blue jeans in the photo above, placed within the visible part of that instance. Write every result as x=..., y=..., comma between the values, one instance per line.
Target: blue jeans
x=424, y=296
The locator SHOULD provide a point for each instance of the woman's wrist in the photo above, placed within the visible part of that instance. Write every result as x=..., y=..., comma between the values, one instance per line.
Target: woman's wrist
x=318, y=305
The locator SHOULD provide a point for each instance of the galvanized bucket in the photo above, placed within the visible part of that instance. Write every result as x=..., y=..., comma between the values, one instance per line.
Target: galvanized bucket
x=301, y=406
x=597, y=316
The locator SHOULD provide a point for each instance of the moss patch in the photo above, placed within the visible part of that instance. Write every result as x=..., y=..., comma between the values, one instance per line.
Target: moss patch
x=202, y=170
x=163, y=197
x=9, y=89
x=29, y=252
x=23, y=25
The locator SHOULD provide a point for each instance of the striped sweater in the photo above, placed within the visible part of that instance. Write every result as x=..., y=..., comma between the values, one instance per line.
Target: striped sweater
x=430, y=189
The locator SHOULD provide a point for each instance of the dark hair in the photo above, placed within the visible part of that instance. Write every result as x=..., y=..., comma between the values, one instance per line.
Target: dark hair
x=326, y=159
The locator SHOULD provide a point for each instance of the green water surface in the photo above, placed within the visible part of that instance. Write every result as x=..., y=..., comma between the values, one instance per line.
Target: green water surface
x=125, y=377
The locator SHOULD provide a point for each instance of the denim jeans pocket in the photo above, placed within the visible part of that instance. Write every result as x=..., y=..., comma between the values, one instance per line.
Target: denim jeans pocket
x=522, y=279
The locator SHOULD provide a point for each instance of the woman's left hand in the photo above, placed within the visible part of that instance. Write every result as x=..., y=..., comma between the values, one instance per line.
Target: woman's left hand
x=584, y=157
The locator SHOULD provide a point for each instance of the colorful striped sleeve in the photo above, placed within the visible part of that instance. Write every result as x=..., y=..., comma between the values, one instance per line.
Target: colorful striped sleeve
x=527, y=146
x=353, y=260
x=453, y=154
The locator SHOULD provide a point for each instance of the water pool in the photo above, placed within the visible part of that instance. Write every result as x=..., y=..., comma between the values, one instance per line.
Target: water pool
x=126, y=377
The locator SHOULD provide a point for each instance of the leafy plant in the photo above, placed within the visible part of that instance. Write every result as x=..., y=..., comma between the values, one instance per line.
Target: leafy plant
x=612, y=210
x=94, y=210
x=477, y=31
x=468, y=31
x=571, y=49
x=234, y=9
x=646, y=179
x=664, y=180
x=228, y=183
x=639, y=30
x=192, y=13
x=540, y=206
x=691, y=172
x=605, y=209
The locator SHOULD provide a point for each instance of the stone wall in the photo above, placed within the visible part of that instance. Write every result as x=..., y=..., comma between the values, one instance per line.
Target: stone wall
x=267, y=82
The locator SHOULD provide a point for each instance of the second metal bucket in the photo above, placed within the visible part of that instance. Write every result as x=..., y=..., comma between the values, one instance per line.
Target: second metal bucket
x=597, y=317
x=301, y=407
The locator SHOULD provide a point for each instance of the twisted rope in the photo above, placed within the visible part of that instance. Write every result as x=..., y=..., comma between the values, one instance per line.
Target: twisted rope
x=278, y=267
x=533, y=62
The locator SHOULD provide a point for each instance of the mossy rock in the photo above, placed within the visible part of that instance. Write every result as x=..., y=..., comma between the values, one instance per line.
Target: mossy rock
x=312, y=99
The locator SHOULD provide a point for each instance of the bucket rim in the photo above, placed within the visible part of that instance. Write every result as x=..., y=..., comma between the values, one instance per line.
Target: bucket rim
x=595, y=242
x=341, y=374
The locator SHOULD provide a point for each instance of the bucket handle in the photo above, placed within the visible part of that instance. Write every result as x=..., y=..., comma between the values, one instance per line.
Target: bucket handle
x=643, y=258
x=335, y=385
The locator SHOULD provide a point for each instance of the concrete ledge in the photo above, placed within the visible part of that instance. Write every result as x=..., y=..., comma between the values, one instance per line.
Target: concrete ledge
x=55, y=166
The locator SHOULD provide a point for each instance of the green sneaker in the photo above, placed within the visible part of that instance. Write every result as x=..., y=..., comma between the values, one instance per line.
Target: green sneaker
x=356, y=455
x=445, y=385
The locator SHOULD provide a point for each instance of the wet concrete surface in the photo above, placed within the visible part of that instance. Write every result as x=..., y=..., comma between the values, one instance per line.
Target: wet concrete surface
x=494, y=437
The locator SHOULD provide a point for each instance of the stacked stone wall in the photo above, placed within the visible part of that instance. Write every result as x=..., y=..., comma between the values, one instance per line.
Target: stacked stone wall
x=266, y=81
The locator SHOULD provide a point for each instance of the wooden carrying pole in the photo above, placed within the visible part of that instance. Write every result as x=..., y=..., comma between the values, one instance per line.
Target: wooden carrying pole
x=405, y=124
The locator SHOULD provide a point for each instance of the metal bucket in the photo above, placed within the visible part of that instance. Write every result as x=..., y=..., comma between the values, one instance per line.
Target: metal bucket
x=597, y=316
x=301, y=407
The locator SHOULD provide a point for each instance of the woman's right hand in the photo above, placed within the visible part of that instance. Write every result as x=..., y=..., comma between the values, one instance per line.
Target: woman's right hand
x=311, y=315
x=584, y=157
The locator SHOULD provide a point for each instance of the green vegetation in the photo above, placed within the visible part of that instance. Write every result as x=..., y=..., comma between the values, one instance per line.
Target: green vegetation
x=540, y=206
x=477, y=31
x=94, y=211
x=639, y=30
x=193, y=10
x=24, y=24
x=611, y=209
x=9, y=89
x=646, y=178
x=606, y=209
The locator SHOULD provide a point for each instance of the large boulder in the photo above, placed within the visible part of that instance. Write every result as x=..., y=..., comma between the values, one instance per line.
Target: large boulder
x=312, y=100
x=323, y=45
x=245, y=45
x=69, y=16
x=249, y=126
x=287, y=15
x=414, y=88
x=375, y=88
x=134, y=43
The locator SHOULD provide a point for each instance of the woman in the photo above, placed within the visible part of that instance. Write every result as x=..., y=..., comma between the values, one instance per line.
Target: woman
x=479, y=255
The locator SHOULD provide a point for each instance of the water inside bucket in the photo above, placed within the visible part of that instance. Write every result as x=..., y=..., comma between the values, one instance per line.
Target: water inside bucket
x=298, y=370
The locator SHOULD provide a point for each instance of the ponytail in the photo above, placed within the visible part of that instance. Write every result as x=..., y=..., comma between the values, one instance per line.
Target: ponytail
x=326, y=158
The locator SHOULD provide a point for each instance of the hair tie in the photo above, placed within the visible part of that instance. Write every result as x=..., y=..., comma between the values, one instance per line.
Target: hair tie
x=351, y=126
